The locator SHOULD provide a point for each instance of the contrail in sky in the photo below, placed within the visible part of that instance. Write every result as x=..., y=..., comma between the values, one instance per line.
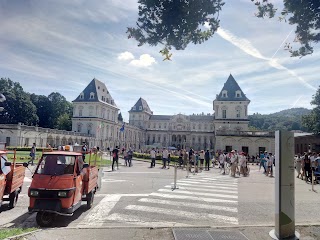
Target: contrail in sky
x=247, y=47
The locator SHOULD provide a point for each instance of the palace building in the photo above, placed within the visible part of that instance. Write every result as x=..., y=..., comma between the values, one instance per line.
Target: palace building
x=96, y=113
x=97, y=121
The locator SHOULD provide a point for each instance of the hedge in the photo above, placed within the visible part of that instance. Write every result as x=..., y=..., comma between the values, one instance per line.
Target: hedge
x=29, y=149
x=158, y=157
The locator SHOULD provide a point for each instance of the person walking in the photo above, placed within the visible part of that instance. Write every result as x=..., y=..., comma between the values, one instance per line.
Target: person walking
x=33, y=153
x=153, y=158
x=180, y=158
x=233, y=162
x=185, y=159
x=201, y=157
x=243, y=164
x=307, y=168
x=222, y=159
x=207, y=160
x=115, y=157
x=129, y=156
x=297, y=161
x=165, y=154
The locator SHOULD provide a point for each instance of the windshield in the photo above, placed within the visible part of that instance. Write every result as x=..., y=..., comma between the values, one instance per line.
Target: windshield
x=56, y=165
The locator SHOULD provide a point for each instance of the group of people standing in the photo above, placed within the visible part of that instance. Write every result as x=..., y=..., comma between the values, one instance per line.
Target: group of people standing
x=305, y=164
x=236, y=161
x=127, y=155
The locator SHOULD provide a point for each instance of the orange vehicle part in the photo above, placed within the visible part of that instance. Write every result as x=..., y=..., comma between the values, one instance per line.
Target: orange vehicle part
x=60, y=183
x=11, y=183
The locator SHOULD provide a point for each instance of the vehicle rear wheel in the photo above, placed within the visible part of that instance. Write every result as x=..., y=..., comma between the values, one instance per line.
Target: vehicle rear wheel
x=13, y=199
x=90, y=198
x=45, y=219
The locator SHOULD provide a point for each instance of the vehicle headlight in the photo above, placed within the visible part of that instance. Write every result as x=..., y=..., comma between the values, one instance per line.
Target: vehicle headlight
x=62, y=194
x=34, y=193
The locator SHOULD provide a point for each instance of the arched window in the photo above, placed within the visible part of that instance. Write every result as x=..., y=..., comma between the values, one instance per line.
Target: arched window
x=79, y=127
x=238, y=94
x=89, y=128
x=91, y=108
x=82, y=95
x=80, y=111
x=92, y=95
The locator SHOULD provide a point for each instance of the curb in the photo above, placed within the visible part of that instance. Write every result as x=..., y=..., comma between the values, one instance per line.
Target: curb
x=22, y=235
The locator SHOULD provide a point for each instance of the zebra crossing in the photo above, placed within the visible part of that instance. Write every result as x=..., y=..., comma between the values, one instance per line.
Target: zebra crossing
x=200, y=200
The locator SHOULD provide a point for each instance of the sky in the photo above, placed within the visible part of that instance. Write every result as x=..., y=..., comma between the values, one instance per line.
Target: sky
x=60, y=46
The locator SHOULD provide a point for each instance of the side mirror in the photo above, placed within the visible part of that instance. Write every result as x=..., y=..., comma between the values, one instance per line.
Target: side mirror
x=7, y=164
x=86, y=165
x=25, y=164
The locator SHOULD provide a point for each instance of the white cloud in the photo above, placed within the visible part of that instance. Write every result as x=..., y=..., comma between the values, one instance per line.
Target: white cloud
x=145, y=60
x=126, y=56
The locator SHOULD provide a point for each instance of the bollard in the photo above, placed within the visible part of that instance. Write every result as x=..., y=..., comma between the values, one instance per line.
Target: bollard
x=175, y=178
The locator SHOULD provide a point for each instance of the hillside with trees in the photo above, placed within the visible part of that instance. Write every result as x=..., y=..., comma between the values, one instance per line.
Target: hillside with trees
x=290, y=119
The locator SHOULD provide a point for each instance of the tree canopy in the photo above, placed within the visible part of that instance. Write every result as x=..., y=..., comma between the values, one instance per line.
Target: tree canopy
x=52, y=111
x=312, y=121
x=175, y=24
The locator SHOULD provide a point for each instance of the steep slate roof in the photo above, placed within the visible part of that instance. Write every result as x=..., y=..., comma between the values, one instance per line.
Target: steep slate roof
x=101, y=93
x=161, y=117
x=231, y=86
x=141, y=103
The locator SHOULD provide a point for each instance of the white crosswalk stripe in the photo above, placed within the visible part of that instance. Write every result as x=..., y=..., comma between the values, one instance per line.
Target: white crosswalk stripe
x=200, y=200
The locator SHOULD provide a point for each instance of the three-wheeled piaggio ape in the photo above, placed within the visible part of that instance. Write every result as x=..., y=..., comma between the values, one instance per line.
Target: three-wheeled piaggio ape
x=11, y=179
x=60, y=183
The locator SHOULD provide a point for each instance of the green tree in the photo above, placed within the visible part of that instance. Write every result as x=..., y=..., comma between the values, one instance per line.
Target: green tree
x=64, y=122
x=18, y=106
x=59, y=106
x=43, y=106
x=312, y=121
x=180, y=22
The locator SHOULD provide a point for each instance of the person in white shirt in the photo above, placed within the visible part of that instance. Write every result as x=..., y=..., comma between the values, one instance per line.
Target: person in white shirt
x=165, y=154
x=269, y=163
x=297, y=162
x=201, y=157
x=153, y=158
x=243, y=164
x=222, y=159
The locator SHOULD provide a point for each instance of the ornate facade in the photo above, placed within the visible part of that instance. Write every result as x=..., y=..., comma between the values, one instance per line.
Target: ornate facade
x=96, y=120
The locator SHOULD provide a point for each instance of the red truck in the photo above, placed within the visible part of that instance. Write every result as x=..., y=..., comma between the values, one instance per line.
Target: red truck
x=11, y=179
x=60, y=183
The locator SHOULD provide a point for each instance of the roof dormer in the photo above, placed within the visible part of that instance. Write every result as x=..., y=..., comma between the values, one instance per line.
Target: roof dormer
x=224, y=94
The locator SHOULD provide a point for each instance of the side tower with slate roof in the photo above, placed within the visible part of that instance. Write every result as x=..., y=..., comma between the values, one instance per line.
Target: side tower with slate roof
x=94, y=110
x=231, y=108
x=140, y=114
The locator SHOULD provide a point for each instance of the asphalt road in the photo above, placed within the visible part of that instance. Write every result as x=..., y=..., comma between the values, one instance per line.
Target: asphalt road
x=139, y=196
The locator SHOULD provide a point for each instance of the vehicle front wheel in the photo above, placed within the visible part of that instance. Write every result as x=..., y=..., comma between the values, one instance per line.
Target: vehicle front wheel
x=13, y=199
x=45, y=219
x=90, y=198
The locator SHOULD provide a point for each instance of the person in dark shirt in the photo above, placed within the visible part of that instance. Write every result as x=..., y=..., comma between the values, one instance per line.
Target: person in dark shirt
x=115, y=157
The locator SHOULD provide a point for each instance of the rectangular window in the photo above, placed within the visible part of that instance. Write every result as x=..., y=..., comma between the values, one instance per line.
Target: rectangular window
x=224, y=113
x=238, y=113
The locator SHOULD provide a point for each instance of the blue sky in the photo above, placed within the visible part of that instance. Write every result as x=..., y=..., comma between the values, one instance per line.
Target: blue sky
x=58, y=45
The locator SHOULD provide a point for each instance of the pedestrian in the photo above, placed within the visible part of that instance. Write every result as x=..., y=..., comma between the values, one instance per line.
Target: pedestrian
x=243, y=164
x=180, y=158
x=222, y=159
x=129, y=156
x=196, y=161
x=185, y=158
x=169, y=158
x=84, y=151
x=233, y=162
x=201, y=157
x=32, y=153
x=297, y=161
x=307, y=168
x=165, y=154
x=153, y=158
x=207, y=160
x=115, y=157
